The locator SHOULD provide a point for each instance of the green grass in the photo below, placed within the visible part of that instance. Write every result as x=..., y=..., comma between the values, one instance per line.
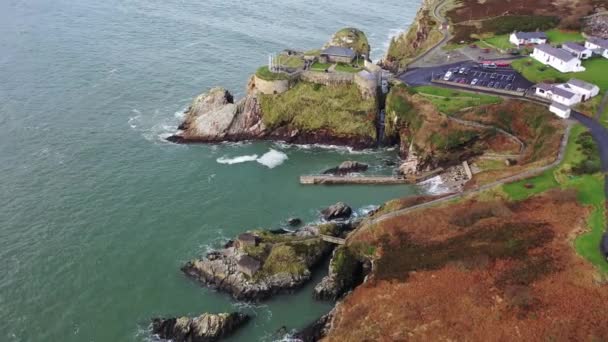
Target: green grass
x=312, y=107
x=450, y=101
x=289, y=61
x=320, y=66
x=500, y=42
x=604, y=117
x=267, y=75
x=537, y=72
x=342, y=67
x=557, y=36
x=590, y=192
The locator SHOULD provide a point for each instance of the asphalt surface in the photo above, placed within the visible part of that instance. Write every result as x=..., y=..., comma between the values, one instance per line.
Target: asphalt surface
x=488, y=78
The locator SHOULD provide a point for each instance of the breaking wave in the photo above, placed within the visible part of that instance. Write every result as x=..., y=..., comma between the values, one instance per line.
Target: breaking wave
x=272, y=159
x=237, y=160
x=435, y=186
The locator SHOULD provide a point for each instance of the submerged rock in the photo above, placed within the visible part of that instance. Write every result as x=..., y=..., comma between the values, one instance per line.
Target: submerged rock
x=347, y=167
x=204, y=328
x=294, y=221
x=338, y=211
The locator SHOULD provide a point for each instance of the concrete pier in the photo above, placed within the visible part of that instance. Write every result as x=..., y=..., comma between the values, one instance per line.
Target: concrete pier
x=367, y=180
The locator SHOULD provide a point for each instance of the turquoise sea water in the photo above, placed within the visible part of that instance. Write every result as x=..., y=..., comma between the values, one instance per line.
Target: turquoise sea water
x=97, y=213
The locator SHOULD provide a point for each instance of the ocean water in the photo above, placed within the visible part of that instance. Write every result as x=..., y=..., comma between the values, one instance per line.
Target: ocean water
x=97, y=212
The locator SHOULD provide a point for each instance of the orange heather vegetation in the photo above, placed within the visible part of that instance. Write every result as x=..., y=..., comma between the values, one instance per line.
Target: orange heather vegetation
x=477, y=271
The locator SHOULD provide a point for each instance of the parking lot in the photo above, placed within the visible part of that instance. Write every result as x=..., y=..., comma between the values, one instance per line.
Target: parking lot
x=473, y=74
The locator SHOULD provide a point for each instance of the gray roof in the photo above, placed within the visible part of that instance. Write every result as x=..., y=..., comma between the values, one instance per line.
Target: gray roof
x=530, y=35
x=574, y=46
x=560, y=54
x=562, y=92
x=544, y=86
x=603, y=43
x=338, y=51
x=581, y=84
x=559, y=106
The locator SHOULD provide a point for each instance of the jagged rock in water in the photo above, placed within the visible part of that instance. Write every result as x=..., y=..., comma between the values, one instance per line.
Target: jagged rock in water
x=283, y=263
x=204, y=328
x=315, y=331
x=214, y=117
x=347, y=167
x=294, y=221
x=338, y=211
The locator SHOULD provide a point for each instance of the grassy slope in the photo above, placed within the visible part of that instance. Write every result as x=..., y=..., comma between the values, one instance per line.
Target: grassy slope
x=267, y=75
x=537, y=72
x=450, y=101
x=501, y=41
x=311, y=107
x=590, y=192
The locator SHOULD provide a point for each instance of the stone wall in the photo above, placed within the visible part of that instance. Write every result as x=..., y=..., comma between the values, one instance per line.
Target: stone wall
x=367, y=84
x=327, y=78
x=269, y=87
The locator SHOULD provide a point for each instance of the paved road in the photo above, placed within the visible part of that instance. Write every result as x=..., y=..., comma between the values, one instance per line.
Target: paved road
x=445, y=32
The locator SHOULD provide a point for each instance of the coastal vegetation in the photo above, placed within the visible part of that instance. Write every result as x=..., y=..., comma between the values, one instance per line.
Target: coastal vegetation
x=268, y=75
x=310, y=107
x=449, y=101
x=537, y=72
x=353, y=38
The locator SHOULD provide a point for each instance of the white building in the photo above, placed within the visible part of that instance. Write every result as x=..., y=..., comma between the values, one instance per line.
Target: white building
x=557, y=94
x=527, y=38
x=598, y=46
x=560, y=59
x=585, y=89
x=560, y=110
x=578, y=50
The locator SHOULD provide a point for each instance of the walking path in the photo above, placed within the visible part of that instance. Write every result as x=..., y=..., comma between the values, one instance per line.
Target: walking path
x=444, y=30
x=514, y=178
x=475, y=124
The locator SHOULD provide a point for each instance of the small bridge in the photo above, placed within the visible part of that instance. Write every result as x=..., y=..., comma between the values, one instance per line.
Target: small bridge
x=333, y=239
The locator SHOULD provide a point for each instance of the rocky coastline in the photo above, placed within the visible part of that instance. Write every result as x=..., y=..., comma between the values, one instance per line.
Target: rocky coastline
x=260, y=264
x=204, y=328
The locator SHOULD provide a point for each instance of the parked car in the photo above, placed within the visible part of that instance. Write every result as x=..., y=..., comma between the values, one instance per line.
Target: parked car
x=473, y=46
x=489, y=65
x=474, y=81
x=508, y=87
x=497, y=85
x=461, y=71
x=447, y=76
x=493, y=76
x=491, y=84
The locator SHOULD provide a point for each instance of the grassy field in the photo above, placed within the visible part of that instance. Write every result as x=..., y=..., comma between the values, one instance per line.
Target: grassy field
x=561, y=36
x=348, y=68
x=450, y=101
x=604, y=117
x=312, y=107
x=289, y=61
x=590, y=189
x=267, y=75
x=320, y=66
x=537, y=72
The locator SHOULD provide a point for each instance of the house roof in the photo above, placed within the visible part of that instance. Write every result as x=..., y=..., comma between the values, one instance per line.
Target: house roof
x=530, y=35
x=603, y=43
x=560, y=54
x=338, y=51
x=544, y=86
x=560, y=106
x=574, y=46
x=562, y=92
x=581, y=84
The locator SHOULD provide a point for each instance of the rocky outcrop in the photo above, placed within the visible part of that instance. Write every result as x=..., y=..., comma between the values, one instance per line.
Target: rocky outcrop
x=346, y=168
x=338, y=211
x=345, y=273
x=214, y=117
x=204, y=328
x=316, y=330
x=350, y=38
x=257, y=269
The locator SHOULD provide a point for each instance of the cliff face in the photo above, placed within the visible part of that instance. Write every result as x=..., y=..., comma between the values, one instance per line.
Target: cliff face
x=421, y=35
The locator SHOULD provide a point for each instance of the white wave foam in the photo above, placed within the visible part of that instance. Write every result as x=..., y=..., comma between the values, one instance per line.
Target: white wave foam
x=336, y=148
x=272, y=159
x=435, y=186
x=237, y=160
x=364, y=211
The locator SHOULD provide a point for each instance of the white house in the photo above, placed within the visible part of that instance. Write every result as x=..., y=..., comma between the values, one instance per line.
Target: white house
x=585, y=89
x=578, y=50
x=560, y=59
x=560, y=110
x=557, y=94
x=598, y=46
x=526, y=38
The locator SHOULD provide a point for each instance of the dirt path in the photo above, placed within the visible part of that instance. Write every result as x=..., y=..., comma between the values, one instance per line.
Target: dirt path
x=520, y=176
x=475, y=124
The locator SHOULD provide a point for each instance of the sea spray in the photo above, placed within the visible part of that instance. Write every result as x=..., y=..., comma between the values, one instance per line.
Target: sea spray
x=237, y=160
x=272, y=159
